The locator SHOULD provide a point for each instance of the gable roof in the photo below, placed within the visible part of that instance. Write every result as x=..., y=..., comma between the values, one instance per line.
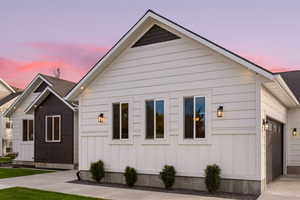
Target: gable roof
x=59, y=86
x=151, y=17
x=9, y=97
x=292, y=79
x=38, y=100
x=9, y=87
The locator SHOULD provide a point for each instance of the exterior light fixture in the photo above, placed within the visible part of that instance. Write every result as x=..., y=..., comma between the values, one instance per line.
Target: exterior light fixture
x=266, y=124
x=294, y=133
x=101, y=118
x=81, y=87
x=220, y=112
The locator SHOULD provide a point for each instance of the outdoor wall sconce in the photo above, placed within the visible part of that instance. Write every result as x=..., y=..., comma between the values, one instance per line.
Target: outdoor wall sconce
x=265, y=124
x=294, y=133
x=101, y=118
x=220, y=112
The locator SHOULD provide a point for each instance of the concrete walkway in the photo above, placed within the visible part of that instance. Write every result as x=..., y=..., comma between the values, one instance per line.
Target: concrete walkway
x=285, y=188
x=58, y=182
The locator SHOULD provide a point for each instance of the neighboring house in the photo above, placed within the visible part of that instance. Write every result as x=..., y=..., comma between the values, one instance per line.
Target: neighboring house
x=164, y=95
x=45, y=133
x=8, y=95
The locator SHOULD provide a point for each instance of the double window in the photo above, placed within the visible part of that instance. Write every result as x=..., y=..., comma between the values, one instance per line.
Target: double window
x=27, y=130
x=155, y=118
x=120, y=121
x=53, y=128
x=194, y=117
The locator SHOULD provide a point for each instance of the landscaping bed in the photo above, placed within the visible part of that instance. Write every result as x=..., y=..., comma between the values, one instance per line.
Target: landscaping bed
x=175, y=191
x=19, y=193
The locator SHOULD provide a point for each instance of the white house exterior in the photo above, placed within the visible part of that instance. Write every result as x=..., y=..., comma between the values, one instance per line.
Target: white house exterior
x=8, y=95
x=166, y=70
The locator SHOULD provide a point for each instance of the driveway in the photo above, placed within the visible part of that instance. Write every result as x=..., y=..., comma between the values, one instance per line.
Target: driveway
x=287, y=188
x=59, y=182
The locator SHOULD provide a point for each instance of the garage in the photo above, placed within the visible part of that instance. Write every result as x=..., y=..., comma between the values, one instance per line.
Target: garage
x=274, y=150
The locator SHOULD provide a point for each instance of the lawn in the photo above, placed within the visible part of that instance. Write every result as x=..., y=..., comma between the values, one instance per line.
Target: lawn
x=19, y=193
x=14, y=172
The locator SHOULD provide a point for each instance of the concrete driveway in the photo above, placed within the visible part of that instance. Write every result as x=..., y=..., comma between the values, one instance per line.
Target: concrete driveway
x=285, y=188
x=58, y=182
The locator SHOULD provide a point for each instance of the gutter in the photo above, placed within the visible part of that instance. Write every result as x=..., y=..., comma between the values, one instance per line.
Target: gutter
x=285, y=87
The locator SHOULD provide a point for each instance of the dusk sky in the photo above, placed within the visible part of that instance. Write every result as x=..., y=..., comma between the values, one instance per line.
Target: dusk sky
x=38, y=36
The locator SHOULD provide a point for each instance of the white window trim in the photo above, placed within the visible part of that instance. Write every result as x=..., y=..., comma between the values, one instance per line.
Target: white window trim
x=46, y=128
x=154, y=118
x=208, y=120
x=120, y=141
x=120, y=121
x=155, y=141
x=28, y=130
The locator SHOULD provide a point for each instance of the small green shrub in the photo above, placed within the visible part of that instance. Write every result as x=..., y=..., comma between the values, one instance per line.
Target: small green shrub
x=167, y=175
x=12, y=156
x=97, y=170
x=130, y=176
x=212, y=178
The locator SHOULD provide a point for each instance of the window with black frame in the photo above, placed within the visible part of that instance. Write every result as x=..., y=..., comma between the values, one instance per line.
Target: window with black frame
x=194, y=117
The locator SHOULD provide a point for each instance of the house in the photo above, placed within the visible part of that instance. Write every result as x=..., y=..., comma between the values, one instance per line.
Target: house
x=166, y=95
x=45, y=126
x=8, y=95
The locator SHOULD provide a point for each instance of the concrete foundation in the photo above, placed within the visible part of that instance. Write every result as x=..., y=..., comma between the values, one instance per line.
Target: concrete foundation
x=182, y=182
x=23, y=163
x=293, y=170
x=53, y=165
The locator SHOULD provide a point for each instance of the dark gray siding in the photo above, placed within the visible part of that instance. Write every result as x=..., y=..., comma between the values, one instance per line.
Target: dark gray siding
x=155, y=34
x=54, y=152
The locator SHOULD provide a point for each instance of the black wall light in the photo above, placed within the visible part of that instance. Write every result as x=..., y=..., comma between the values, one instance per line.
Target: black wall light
x=101, y=118
x=265, y=124
x=220, y=112
x=294, y=133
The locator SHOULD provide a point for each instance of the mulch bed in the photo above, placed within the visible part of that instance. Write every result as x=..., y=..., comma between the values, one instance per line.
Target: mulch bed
x=175, y=191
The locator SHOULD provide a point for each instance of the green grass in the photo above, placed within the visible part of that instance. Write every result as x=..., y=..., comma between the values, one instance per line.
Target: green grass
x=14, y=172
x=5, y=159
x=19, y=193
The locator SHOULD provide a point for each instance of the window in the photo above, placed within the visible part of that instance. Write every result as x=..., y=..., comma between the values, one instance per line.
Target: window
x=155, y=115
x=27, y=130
x=53, y=128
x=194, y=117
x=120, y=121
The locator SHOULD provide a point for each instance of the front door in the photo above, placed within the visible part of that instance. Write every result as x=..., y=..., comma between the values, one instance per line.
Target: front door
x=274, y=150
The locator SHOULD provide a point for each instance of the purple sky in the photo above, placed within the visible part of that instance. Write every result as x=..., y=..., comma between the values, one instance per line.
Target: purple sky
x=39, y=35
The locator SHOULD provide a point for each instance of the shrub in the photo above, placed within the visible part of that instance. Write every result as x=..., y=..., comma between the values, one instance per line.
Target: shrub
x=12, y=156
x=212, y=178
x=97, y=170
x=130, y=176
x=167, y=175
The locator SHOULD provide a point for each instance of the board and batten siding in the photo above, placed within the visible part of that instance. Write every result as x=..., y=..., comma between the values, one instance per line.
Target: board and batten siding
x=171, y=70
x=25, y=149
x=293, y=151
x=273, y=108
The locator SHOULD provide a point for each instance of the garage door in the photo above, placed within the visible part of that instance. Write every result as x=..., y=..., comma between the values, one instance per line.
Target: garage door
x=274, y=150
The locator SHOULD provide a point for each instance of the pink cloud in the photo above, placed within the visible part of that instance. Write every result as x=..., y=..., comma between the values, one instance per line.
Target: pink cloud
x=80, y=55
x=74, y=60
x=274, y=64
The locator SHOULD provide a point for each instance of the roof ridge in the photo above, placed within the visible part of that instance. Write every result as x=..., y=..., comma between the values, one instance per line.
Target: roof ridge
x=53, y=77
